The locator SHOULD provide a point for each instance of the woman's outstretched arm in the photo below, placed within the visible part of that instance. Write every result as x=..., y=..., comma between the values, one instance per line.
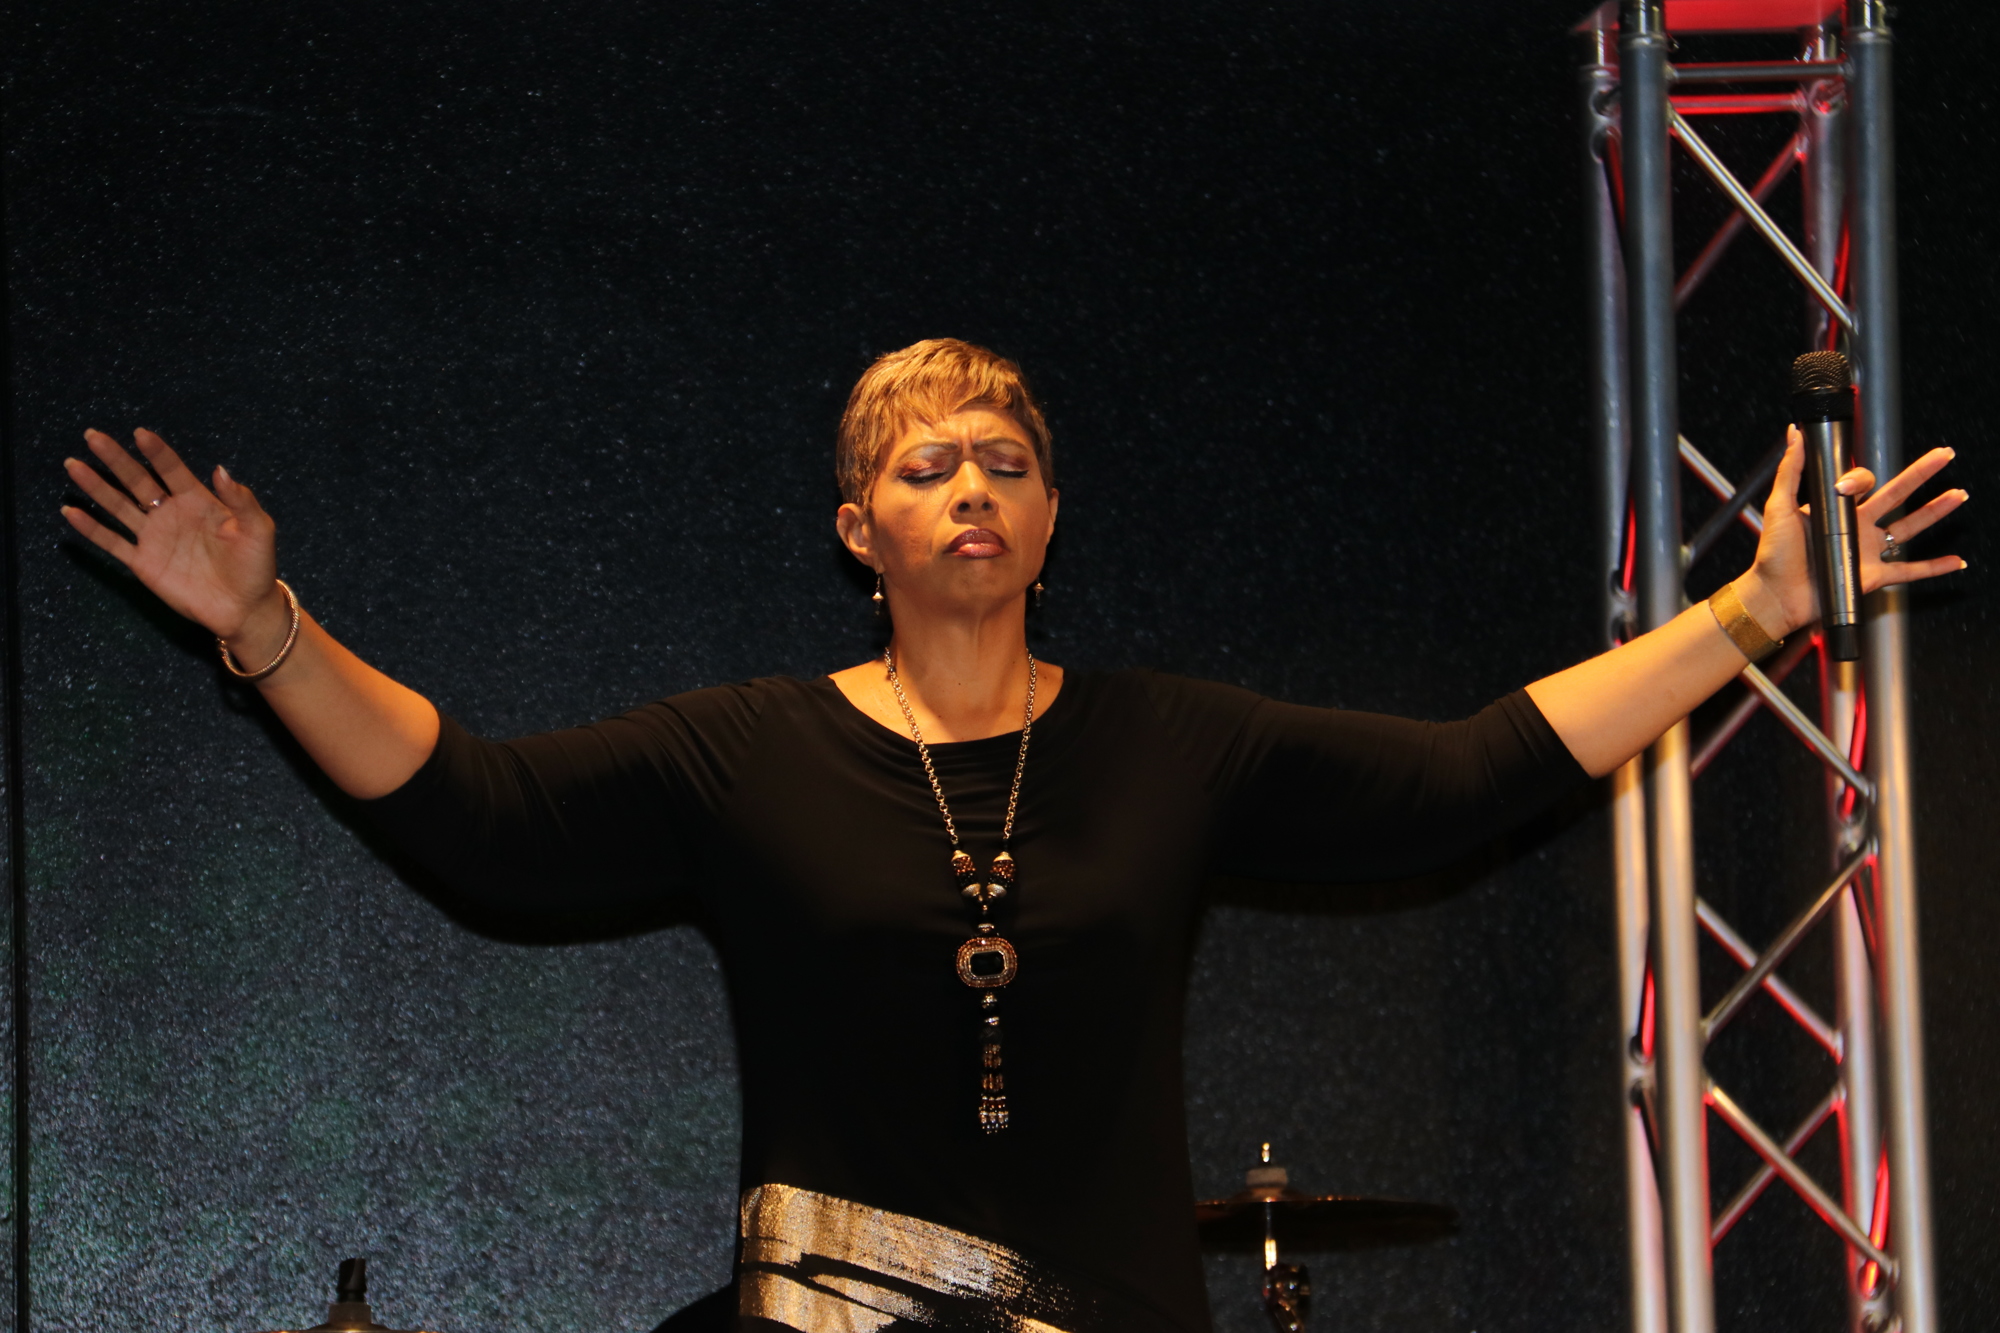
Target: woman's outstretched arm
x=1613, y=706
x=212, y=556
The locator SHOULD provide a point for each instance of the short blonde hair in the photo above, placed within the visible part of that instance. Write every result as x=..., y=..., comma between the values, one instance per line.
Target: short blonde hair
x=928, y=381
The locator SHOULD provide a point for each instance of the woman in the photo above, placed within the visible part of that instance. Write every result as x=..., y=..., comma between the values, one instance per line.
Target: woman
x=954, y=888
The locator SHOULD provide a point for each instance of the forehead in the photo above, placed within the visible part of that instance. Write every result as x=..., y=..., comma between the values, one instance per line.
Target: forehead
x=967, y=425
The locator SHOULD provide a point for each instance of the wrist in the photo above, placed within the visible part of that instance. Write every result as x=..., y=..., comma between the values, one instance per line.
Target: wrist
x=1765, y=606
x=263, y=628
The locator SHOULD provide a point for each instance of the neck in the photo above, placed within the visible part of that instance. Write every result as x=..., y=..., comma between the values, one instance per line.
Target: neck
x=971, y=674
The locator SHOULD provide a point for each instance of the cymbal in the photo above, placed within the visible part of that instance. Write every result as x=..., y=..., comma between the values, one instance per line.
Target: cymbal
x=1317, y=1222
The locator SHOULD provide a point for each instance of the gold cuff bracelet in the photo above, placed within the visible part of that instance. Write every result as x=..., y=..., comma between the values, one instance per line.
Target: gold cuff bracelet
x=1742, y=628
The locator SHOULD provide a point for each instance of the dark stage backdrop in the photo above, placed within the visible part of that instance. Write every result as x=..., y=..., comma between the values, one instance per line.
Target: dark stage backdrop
x=531, y=324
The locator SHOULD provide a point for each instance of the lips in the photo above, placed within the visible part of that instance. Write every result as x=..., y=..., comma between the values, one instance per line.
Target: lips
x=977, y=544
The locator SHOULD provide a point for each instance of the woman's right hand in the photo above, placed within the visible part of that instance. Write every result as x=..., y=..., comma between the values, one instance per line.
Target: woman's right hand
x=212, y=556
x=209, y=554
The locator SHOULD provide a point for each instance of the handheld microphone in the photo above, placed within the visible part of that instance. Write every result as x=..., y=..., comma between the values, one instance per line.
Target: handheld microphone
x=1823, y=407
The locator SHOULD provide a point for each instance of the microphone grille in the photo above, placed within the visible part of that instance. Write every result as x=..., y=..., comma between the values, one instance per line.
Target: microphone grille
x=1821, y=372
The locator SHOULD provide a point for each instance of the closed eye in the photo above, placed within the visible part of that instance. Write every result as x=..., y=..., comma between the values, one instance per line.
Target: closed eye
x=1003, y=459
x=924, y=476
x=936, y=460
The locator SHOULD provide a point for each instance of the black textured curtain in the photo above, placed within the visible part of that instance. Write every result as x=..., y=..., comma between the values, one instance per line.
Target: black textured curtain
x=531, y=323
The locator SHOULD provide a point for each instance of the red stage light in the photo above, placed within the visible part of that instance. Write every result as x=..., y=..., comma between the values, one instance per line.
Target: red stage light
x=1748, y=15
x=1727, y=15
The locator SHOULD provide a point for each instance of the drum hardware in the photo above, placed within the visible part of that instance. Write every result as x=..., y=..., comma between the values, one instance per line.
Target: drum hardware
x=1268, y=1211
x=349, y=1312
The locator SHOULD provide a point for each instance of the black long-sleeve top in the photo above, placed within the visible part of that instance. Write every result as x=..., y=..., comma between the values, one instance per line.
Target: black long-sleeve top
x=809, y=834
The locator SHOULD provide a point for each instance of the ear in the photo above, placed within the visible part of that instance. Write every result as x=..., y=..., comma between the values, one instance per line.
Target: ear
x=1055, y=499
x=851, y=522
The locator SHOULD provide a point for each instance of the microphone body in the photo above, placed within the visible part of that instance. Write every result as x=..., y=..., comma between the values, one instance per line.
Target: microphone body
x=1823, y=408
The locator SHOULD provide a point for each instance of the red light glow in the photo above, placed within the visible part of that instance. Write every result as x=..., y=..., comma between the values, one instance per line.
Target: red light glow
x=1631, y=541
x=1646, y=1018
x=1878, y=1228
x=1735, y=104
x=1748, y=15
x=1686, y=16
x=1858, y=751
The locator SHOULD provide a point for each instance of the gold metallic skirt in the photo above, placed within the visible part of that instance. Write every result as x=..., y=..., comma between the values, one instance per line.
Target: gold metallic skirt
x=818, y=1264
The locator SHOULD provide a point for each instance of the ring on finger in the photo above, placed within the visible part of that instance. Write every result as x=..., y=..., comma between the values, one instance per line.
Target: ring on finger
x=1892, y=550
x=155, y=503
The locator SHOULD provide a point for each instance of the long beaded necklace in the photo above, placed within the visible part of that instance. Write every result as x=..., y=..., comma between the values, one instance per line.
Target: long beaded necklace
x=985, y=962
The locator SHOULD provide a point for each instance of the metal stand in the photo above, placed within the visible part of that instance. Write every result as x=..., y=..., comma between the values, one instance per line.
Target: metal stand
x=1635, y=104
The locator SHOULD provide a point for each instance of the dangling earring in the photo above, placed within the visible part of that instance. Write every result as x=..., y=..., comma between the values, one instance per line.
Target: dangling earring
x=1038, y=593
x=879, y=600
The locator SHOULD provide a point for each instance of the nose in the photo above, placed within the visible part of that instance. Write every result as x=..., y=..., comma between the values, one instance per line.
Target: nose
x=970, y=493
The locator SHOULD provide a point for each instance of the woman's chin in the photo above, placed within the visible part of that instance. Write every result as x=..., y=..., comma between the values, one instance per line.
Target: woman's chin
x=973, y=586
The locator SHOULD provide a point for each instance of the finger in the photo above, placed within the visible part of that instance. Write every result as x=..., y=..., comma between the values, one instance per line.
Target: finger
x=107, y=497
x=1898, y=488
x=167, y=463
x=1910, y=571
x=1855, y=481
x=1909, y=525
x=240, y=499
x=99, y=535
x=131, y=474
x=1785, y=486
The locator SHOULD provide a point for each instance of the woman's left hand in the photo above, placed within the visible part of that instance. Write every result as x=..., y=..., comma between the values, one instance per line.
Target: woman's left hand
x=1782, y=587
x=1610, y=708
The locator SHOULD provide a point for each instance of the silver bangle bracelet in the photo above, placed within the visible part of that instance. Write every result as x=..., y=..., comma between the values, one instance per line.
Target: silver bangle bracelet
x=291, y=641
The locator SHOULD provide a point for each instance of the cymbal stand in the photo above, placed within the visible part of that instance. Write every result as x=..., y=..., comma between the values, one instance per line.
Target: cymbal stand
x=1287, y=1287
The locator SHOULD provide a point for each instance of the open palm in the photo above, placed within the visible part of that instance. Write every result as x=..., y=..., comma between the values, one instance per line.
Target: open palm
x=209, y=554
x=1781, y=552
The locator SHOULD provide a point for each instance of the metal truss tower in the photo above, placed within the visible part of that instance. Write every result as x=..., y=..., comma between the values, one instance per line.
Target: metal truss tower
x=1636, y=104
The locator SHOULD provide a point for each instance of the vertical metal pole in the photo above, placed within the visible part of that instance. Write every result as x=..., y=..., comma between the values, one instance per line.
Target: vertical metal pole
x=1855, y=1013
x=1823, y=178
x=1642, y=1188
x=1878, y=375
x=1860, y=1114
x=1677, y=1046
x=1649, y=257
x=1605, y=269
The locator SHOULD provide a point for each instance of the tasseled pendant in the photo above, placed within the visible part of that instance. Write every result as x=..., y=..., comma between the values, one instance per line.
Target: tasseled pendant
x=987, y=963
x=992, y=1083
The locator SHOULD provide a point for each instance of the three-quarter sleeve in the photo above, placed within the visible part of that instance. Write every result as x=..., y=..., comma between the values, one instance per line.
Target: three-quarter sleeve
x=590, y=817
x=1326, y=795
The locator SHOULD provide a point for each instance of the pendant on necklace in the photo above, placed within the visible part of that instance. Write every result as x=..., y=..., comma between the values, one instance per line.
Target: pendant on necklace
x=986, y=963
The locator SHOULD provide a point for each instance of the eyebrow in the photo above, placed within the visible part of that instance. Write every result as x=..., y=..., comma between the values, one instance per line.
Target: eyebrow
x=977, y=444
